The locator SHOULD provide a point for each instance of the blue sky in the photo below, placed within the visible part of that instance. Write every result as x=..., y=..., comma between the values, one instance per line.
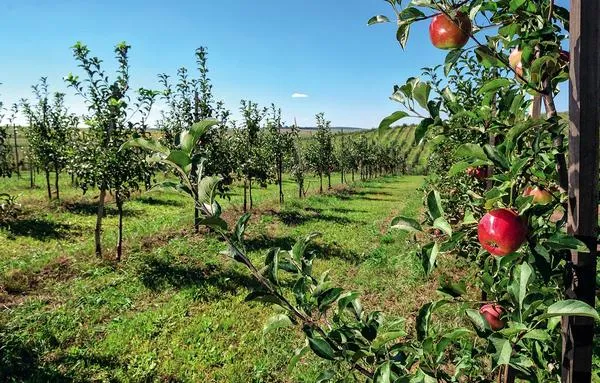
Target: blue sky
x=263, y=50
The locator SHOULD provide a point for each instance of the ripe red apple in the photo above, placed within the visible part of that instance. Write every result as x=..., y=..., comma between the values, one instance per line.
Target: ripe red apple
x=446, y=33
x=501, y=232
x=540, y=196
x=492, y=314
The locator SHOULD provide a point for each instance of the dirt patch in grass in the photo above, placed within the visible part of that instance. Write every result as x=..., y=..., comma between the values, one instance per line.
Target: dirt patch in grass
x=16, y=284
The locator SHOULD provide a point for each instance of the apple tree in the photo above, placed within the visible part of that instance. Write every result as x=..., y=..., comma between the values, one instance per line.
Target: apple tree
x=51, y=131
x=511, y=228
x=113, y=119
x=6, y=165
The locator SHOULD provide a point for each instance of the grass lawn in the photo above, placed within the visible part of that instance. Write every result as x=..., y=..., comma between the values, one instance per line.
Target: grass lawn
x=173, y=309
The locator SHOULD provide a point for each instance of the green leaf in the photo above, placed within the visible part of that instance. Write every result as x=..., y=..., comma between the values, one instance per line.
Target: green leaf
x=421, y=92
x=172, y=186
x=472, y=151
x=191, y=137
x=495, y=156
x=328, y=297
x=389, y=120
x=453, y=289
x=383, y=373
x=434, y=204
x=402, y=33
x=503, y=351
x=277, y=321
x=469, y=218
x=561, y=241
x=451, y=59
x=378, y=19
x=406, y=224
x=207, y=188
x=523, y=273
x=487, y=58
x=300, y=246
x=478, y=321
x=321, y=347
x=240, y=227
x=571, y=307
x=216, y=223
x=421, y=129
x=424, y=318
x=410, y=13
x=272, y=263
x=443, y=225
x=494, y=85
x=179, y=158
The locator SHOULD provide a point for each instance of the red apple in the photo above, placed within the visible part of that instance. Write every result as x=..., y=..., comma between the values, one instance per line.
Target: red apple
x=446, y=33
x=501, y=232
x=478, y=173
x=527, y=191
x=492, y=314
x=540, y=196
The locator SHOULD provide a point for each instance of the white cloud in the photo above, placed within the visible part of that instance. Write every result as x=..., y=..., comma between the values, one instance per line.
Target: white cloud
x=299, y=95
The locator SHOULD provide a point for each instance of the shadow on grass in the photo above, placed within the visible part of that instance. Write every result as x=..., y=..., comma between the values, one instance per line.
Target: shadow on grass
x=211, y=280
x=91, y=208
x=158, y=202
x=20, y=362
x=299, y=217
x=39, y=229
x=263, y=242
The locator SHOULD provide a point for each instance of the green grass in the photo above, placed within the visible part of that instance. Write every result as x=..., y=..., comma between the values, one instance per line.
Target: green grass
x=173, y=309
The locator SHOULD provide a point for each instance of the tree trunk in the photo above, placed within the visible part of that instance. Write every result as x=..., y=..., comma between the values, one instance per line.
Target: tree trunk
x=196, y=217
x=329, y=181
x=16, y=152
x=47, y=173
x=245, y=193
x=120, y=235
x=280, y=179
x=300, y=188
x=250, y=193
x=99, y=216
x=56, y=182
x=320, y=183
x=352, y=174
x=342, y=175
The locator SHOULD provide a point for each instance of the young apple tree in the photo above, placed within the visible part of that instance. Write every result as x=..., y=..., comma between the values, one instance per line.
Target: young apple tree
x=50, y=133
x=6, y=165
x=111, y=122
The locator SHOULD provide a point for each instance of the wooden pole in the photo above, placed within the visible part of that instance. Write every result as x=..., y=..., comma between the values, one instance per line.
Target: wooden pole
x=584, y=122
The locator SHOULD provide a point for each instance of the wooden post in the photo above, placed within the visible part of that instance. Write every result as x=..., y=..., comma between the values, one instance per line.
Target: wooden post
x=584, y=116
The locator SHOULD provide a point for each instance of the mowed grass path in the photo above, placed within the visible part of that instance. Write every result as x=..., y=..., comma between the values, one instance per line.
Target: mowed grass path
x=173, y=309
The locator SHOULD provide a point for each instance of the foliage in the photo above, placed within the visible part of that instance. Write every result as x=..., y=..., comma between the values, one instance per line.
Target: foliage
x=51, y=131
x=9, y=208
x=6, y=165
x=190, y=101
x=185, y=162
x=98, y=161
